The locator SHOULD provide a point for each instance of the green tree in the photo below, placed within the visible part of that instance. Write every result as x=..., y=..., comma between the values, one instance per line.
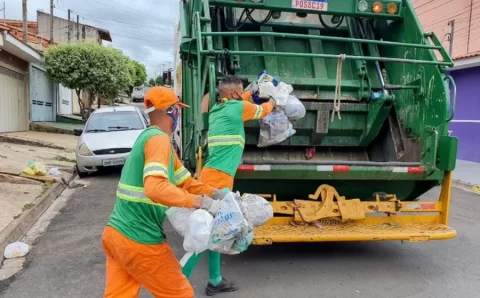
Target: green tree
x=159, y=80
x=151, y=82
x=90, y=67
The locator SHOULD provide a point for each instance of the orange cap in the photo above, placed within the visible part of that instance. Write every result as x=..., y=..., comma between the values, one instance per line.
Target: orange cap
x=162, y=97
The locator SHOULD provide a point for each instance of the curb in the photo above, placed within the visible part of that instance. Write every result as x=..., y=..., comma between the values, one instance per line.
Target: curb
x=21, y=141
x=466, y=186
x=44, y=128
x=20, y=226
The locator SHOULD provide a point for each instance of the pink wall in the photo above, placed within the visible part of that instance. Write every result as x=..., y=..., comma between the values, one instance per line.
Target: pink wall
x=435, y=15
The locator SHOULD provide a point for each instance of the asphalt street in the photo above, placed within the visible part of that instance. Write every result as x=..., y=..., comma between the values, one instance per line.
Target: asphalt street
x=67, y=261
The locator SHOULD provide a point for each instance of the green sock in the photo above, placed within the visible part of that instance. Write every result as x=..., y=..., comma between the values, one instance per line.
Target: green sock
x=215, y=276
x=191, y=263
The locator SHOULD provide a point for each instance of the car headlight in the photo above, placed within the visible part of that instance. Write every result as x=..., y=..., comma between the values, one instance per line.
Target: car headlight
x=83, y=150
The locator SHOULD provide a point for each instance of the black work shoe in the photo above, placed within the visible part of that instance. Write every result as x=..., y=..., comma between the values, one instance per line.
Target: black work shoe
x=224, y=286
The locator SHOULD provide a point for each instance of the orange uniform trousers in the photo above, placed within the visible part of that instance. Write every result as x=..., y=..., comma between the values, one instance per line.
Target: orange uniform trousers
x=216, y=178
x=131, y=264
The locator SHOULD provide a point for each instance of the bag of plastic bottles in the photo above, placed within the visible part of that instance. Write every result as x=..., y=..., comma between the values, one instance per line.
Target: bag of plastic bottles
x=257, y=210
x=275, y=128
x=198, y=231
x=294, y=109
x=178, y=217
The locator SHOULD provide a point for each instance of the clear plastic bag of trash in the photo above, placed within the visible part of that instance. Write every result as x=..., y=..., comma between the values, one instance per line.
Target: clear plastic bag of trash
x=280, y=92
x=241, y=244
x=198, y=231
x=16, y=250
x=178, y=217
x=275, y=128
x=294, y=109
x=257, y=210
x=228, y=224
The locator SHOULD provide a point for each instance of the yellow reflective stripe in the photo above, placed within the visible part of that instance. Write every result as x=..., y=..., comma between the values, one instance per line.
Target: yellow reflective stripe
x=226, y=140
x=155, y=169
x=181, y=175
x=134, y=194
x=258, y=113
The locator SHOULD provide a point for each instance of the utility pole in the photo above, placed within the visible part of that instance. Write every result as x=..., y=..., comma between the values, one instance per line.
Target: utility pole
x=25, y=27
x=469, y=27
x=451, y=36
x=51, y=21
x=69, y=26
x=3, y=9
x=78, y=27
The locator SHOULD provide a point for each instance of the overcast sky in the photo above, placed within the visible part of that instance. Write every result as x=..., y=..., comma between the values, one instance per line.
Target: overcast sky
x=142, y=29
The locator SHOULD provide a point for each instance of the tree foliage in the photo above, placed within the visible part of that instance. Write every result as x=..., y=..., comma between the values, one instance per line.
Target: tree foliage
x=90, y=67
x=151, y=82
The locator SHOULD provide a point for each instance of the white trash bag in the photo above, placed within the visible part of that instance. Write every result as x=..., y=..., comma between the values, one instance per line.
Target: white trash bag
x=275, y=128
x=228, y=224
x=199, y=229
x=294, y=109
x=16, y=250
x=178, y=217
x=257, y=210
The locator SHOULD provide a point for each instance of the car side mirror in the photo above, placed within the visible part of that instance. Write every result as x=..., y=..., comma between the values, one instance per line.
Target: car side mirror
x=77, y=131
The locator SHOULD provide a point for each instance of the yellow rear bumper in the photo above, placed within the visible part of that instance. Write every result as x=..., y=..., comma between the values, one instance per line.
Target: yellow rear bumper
x=421, y=232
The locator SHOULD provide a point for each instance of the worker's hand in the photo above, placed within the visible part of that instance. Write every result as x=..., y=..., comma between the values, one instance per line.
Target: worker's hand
x=219, y=194
x=210, y=205
x=252, y=87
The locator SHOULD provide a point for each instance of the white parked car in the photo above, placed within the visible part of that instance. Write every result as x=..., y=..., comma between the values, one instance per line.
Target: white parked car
x=108, y=138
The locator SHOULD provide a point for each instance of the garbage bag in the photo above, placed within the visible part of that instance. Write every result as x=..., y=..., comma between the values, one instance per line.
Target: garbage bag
x=16, y=250
x=257, y=210
x=241, y=244
x=199, y=229
x=229, y=223
x=178, y=217
x=294, y=109
x=274, y=128
x=35, y=168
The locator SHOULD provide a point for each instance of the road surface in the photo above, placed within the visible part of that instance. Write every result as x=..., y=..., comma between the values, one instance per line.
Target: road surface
x=68, y=260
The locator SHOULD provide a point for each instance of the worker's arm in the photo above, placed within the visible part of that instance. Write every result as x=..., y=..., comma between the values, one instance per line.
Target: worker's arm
x=254, y=112
x=157, y=187
x=184, y=179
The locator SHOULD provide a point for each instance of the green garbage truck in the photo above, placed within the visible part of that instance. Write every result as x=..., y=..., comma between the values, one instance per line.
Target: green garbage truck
x=356, y=175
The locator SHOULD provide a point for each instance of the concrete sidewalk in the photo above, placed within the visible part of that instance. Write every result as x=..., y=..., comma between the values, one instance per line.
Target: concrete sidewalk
x=42, y=139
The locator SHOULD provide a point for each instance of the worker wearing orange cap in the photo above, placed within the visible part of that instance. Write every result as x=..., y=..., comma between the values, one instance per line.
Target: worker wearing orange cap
x=152, y=180
x=226, y=140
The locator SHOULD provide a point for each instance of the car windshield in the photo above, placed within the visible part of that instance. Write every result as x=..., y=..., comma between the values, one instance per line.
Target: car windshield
x=114, y=121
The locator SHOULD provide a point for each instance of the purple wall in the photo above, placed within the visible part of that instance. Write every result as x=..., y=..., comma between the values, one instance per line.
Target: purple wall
x=463, y=126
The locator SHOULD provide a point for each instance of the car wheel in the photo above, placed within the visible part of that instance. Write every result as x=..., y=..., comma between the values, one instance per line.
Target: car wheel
x=81, y=174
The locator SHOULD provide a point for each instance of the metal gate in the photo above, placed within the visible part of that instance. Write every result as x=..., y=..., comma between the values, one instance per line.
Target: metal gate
x=42, y=97
x=64, y=100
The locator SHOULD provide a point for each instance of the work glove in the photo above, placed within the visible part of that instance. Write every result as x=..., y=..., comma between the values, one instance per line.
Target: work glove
x=252, y=87
x=219, y=194
x=210, y=205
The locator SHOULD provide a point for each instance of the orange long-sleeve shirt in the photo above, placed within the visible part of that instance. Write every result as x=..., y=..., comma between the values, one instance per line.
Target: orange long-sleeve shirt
x=252, y=111
x=158, y=188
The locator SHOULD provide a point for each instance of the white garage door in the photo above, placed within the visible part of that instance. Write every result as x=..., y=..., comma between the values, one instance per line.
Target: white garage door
x=42, y=96
x=13, y=101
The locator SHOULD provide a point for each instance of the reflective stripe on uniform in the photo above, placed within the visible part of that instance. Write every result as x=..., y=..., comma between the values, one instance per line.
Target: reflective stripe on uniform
x=258, y=113
x=155, y=169
x=134, y=194
x=181, y=175
x=226, y=140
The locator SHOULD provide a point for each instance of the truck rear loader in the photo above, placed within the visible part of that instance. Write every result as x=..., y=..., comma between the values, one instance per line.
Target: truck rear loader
x=375, y=136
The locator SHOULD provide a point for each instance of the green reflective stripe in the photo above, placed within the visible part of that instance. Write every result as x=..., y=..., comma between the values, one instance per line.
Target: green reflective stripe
x=134, y=196
x=155, y=169
x=181, y=175
x=226, y=140
x=258, y=113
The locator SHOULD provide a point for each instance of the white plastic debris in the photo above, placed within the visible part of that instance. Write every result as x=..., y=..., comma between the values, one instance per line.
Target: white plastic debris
x=258, y=210
x=199, y=229
x=16, y=250
x=54, y=172
x=178, y=217
x=294, y=109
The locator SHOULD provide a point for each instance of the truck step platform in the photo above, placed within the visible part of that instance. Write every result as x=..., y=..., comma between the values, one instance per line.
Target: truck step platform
x=269, y=234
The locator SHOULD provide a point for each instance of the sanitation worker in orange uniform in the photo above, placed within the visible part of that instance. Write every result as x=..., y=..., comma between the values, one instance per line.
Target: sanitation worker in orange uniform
x=226, y=140
x=152, y=180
